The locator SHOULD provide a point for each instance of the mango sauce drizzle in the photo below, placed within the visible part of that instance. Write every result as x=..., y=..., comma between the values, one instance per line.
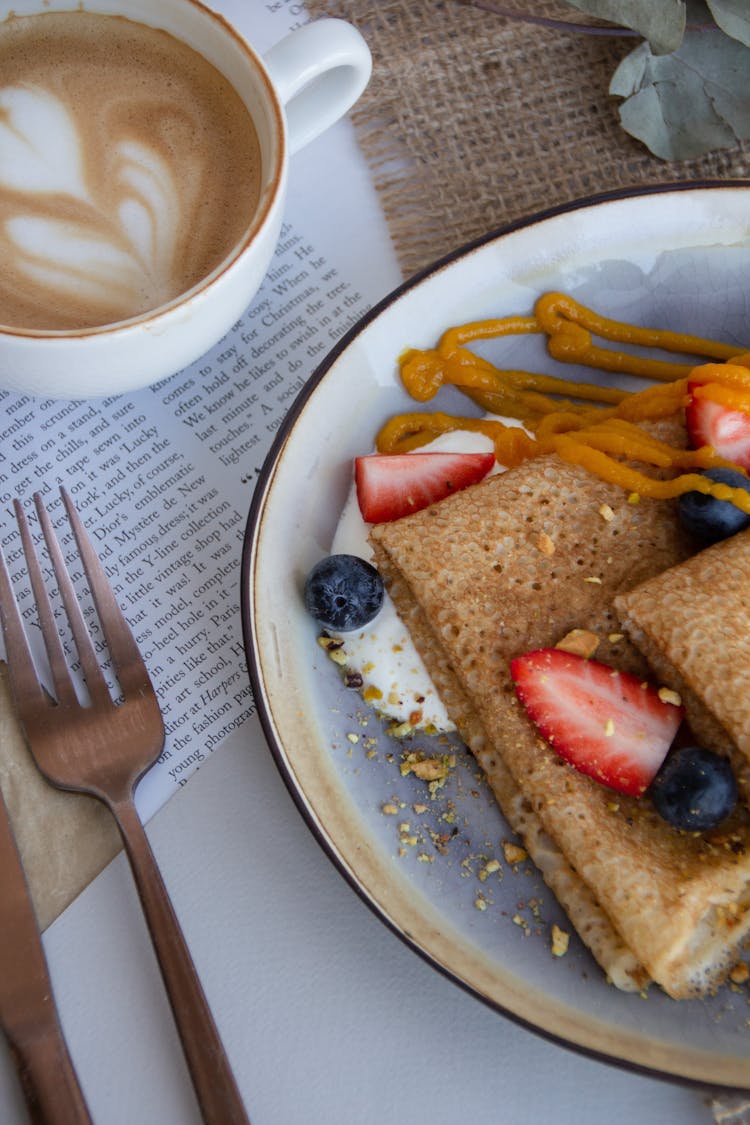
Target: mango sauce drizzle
x=599, y=424
x=570, y=326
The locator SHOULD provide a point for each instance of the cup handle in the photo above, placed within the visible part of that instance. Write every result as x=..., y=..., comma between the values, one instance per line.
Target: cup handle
x=319, y=70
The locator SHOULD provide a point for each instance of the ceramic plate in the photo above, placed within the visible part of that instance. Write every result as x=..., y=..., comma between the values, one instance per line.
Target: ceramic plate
x=676, y=257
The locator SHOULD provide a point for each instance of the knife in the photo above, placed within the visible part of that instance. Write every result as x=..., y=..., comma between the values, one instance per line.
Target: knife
x=27, y=1008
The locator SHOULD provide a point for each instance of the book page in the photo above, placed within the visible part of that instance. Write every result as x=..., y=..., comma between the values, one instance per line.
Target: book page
x=163, y=477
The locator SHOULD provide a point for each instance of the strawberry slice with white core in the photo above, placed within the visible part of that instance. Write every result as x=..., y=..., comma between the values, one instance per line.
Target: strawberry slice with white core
x=392, y=485
x=607, y=724
x=726, y=430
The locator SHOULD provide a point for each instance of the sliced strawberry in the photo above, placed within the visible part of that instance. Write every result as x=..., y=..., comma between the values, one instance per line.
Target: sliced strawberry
x=710, y=423
x=391, y=485
x=608, y=724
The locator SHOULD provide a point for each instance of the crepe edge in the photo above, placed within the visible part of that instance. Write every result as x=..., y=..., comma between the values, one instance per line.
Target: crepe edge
x=591, y=922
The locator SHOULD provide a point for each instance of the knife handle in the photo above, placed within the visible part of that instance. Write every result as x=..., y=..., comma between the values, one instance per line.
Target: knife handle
x=49, y=1082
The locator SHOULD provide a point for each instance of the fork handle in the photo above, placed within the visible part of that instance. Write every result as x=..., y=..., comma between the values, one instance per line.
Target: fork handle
x=50, y=1086
x=215, y=1087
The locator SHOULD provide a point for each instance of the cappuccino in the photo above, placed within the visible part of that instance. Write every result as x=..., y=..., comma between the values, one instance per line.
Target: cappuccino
x=129, y=169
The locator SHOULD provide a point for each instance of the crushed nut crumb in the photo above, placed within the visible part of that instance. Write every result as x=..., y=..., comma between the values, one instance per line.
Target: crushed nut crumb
x=668, y=695
x=426, y=769
x=545, y=544
x=490, y=868
x=513, y=853
x=519, y=920
x=329, y=643
x=579, y=642
x=400, y=730
x=560, y=941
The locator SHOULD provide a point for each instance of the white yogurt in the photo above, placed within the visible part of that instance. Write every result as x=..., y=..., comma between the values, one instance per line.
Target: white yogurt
x=395, y=680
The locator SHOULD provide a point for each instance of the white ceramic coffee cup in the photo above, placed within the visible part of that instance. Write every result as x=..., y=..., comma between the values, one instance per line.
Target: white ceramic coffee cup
x=300, y=87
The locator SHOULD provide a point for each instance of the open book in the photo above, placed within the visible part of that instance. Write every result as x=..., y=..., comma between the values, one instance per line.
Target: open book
x=163, y=477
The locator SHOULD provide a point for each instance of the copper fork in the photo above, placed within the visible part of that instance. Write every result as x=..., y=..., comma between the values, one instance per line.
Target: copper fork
x=103, y=747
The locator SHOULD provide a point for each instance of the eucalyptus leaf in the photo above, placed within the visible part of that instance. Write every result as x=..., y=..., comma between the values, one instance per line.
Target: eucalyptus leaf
x=661, y=22
x=733, y=17
x=692, y=101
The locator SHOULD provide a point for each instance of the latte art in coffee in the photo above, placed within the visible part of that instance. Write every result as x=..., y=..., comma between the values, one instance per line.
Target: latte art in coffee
x=129, y=169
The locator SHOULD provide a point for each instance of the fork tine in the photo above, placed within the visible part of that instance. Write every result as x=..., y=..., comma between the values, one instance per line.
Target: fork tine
x=61, y=679
x=126, y=657
x=95, y=681
x=21, y=671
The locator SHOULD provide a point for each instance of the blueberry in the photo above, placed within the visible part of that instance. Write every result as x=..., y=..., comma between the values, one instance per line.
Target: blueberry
x=709, y=519
x=343, y=592
x=695, y=789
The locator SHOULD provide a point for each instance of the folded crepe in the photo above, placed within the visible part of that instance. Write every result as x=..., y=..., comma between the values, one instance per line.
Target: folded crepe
x=513, y=564
x=692, y=623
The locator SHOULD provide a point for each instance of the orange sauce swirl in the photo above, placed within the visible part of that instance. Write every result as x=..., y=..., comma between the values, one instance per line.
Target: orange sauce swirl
x=595, y=427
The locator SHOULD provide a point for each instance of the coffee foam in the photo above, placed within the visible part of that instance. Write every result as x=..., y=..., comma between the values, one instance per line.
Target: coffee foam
x=129, y=169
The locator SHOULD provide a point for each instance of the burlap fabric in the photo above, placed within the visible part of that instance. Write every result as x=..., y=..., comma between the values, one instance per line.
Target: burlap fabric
x=472, y=120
